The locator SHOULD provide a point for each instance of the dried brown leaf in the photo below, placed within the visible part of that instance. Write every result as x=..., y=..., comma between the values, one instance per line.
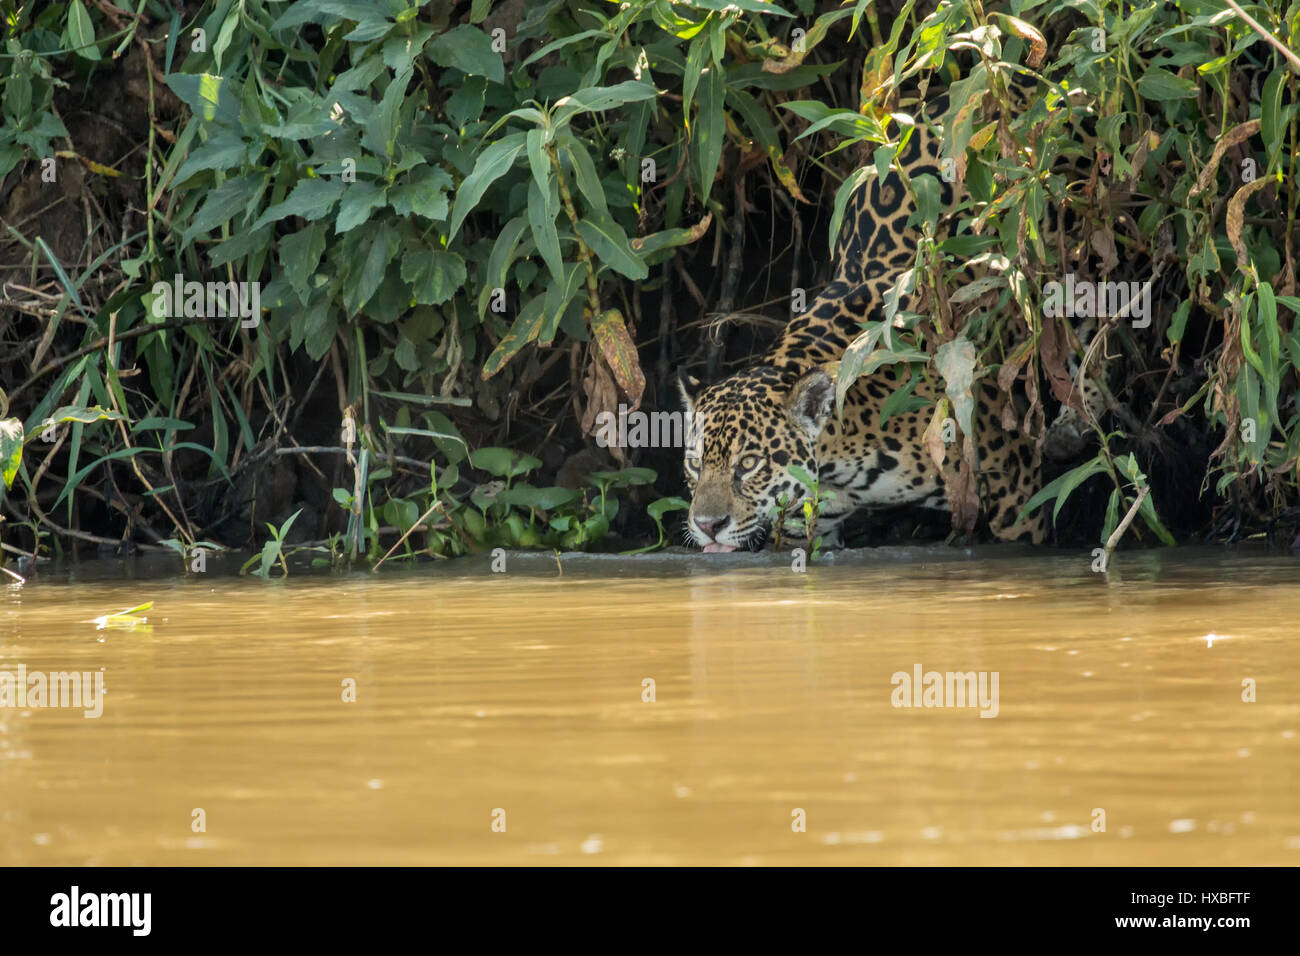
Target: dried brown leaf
x=619, y=351
x=1228, y=140
x=1236, y=215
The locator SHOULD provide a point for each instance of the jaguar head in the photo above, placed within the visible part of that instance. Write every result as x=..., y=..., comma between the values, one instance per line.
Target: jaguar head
x=743, y=437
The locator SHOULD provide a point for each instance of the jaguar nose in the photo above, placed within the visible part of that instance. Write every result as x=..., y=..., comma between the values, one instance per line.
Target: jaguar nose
x=711, y=526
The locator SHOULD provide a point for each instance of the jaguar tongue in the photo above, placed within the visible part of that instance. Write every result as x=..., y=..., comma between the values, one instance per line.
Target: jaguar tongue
x=717, y=547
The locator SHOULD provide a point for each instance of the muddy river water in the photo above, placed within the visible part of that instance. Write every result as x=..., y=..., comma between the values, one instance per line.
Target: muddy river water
x=664, y=710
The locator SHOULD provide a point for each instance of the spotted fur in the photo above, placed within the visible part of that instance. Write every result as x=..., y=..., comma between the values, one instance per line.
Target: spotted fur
x=746, y=433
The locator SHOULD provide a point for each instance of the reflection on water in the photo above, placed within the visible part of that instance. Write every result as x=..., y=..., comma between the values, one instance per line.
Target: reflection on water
x=521, y=699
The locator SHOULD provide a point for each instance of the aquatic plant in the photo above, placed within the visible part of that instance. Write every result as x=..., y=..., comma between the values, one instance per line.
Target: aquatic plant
x=272, y=551
x=810, y=507
x=505, y=511
x=656, y=510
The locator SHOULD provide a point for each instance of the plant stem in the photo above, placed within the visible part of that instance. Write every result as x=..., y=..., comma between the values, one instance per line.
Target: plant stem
x=584, y=254
x=1118, y=533
x=419, y=521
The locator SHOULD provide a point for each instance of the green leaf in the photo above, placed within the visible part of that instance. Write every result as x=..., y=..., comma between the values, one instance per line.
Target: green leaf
x=1063, y=485
x=543, y=206
x=370, y=28
x=415, y=398
x=964, y=99
x=903, y=400
x=842, y=196
x=662, y=506
x=81, y=32
x=669, y=238
x=710, y=127
x=546, y=499
x=1268, y=324
x=696, y=58
x=802, y=476
x=928, y=199
x=559, y=293
x=231, y=197
x=492, y=164
x=359, y=199
x=434, y=275
x=380, y=249
x=527, y=326
x=83, y=414
x=597, y=98
x=270, y=551
x=68, y=286
x=76, y=479
x=1160, y=85
x=325, y=11
x=842, y=121
x=212, y=99
x=1112, y=516
x=381, y=127
x=1178, y=324
x=596, y=527
x=311, y=199
x=500, y=259
x=1073, y=479
x=563, y=42
x=225, y=150
x=401, y=513
x=750, y=6
x=584, y=171
x=11, y=449
x=1249, y=350
x=607, y=239
x=854, y=360
x=466, y=104
x=1270, y=110
x=1147, y=511
x=160, y=424
x=764, y=132
x=300, y=255
x=425, y=432
x=903, y=286
x=623, y=478
x=319, y=326
x=502, y=462
x=469, y=50
x=18, y=96
x=244, y=242
x=423, y=194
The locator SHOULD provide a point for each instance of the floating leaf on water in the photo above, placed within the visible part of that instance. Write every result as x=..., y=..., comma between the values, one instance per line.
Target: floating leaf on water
x=123, y=619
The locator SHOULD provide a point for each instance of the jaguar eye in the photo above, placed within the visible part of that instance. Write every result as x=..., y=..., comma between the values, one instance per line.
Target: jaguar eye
x=748, y=463
x=692, y=463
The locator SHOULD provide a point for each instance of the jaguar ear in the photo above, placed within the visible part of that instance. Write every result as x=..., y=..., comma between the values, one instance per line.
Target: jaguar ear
x=690, y=387
x=810, y=401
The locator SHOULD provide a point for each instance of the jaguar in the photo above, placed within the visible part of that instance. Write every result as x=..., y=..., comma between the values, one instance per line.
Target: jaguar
x=763, y=441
